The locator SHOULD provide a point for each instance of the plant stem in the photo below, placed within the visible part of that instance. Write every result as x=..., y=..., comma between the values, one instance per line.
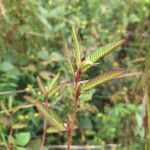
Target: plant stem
x=72, y=121
x=45, y=124
x=11, y=130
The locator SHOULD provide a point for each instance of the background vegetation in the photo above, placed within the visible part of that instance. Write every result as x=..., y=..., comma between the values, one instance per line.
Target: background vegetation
x=33, y=34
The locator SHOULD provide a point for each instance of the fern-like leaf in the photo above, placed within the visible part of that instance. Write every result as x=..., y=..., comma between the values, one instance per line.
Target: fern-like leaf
x=53, y=82
x=68, y=63
x=54, y=90
x=52, y=118
x=41, y=85
x=69, y=68
x=77, y=47
x=101, y=52
x=100, y=79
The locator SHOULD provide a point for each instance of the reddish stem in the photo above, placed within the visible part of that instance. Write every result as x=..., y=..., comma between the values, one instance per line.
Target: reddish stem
x=45, y=124
x=77, y=94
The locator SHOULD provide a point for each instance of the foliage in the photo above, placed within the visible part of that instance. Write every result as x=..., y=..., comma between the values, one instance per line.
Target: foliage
x=34, y=34
x=100, y=79
x=22, y=139
x=53, y=119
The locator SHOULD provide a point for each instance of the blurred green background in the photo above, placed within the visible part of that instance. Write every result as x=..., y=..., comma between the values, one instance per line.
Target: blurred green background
x=32, y=38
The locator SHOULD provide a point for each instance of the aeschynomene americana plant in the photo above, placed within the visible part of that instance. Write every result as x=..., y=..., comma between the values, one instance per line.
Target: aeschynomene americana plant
x=77, y=67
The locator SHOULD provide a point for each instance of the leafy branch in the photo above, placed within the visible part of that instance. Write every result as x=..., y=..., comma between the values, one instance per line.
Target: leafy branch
x=81, y=67
x=77, y=68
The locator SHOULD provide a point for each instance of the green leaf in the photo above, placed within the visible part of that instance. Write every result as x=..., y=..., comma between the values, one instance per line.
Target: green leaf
x=20, y=148
x=86, y=97
x=54, y=90
x=11, y=140
x=101, y=52
x=44, y=55
x=53, y=82
x=69, y=67
x=52, y=130
x=41, y=85
x=6, y=66
x=55, y=57
x=69, y=63
x=100, y=79
x=52, y=118
x=22, y=138
x=77, y=47
x=10, y=102
x=4, y=108
x=19, y=126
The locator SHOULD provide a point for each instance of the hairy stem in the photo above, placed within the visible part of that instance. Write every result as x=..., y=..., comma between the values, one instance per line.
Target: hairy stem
x=73, y=118
x=45, y=124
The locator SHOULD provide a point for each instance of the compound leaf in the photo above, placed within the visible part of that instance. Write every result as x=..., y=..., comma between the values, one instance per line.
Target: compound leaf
x=52, y=118
x=53, y=82
x=77, y=47
x=100, y=79
x=69, y=63
x=101, y=52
